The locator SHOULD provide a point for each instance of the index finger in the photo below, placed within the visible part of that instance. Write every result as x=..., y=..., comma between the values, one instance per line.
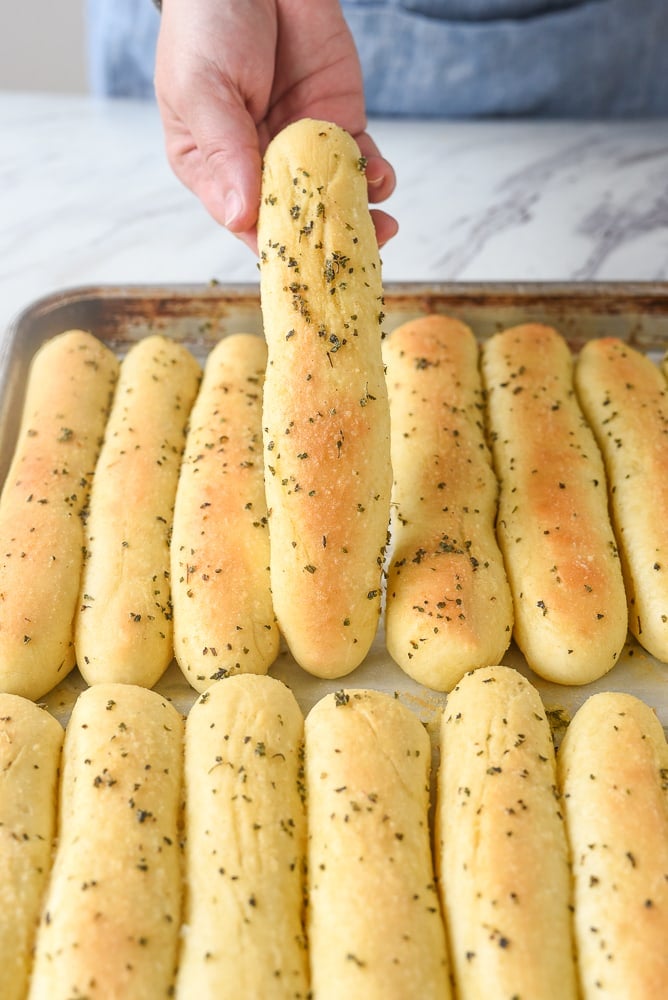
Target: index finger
x=380, y=176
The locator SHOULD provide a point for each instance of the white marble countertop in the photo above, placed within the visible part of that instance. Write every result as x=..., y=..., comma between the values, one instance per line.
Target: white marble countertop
x=87, y=197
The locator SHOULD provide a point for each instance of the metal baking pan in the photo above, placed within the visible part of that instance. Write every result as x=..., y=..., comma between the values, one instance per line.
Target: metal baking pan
x=200, y=315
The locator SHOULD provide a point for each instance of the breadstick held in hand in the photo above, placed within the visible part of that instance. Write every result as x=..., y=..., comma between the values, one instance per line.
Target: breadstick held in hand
x=326, y=415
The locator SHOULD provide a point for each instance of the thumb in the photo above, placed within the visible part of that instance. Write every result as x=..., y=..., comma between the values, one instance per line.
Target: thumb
x=227, y=149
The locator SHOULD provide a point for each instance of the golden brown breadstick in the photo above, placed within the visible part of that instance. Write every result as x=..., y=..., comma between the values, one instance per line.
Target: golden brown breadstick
x=553, y=526
x=374, y=922
x=503, y=858
x=245, y=844
x=613, y=772
x=448, y=606
x=223, y=612
x=124, y=624
x=625, y=399
x=110, y=922
x=68, y=395
x=326, y=416
x=30, y=745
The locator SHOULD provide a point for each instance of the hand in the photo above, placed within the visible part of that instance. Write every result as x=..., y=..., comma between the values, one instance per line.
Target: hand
x=230, y=74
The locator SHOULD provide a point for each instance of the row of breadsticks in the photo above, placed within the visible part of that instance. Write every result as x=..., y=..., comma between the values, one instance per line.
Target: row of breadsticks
x=252, y=853
x=149, y=512
x=134, y=520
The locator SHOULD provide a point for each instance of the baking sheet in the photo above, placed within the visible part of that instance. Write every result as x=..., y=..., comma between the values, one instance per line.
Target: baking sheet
x=199, y=316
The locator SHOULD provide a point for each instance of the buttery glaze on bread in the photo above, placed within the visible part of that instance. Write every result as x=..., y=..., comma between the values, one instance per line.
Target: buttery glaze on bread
x=374, y=922
x=502, y=852
x=245, y=844
x=625, y=399
x=110, y=921
x=30, y=745
x=448, y=605
x=613, y=772
x=554, y=528
x=68, y=395
x=326, y=415
x=124, y=625
x=223, y=613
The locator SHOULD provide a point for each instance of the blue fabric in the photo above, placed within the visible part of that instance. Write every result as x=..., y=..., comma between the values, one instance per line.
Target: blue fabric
x=454, y=58
x=594, y=57
x=121, y=37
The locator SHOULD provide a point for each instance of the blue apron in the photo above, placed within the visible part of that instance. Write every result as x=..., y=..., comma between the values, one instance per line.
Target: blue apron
x=454, y=58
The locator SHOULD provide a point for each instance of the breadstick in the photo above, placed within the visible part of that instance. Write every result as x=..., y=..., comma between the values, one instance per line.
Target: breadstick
x=245, y=844
x=325, y=414
x=110, y=921
x=553, y=525
x=374, y=922
x=613, y=772
x=30, y=744
x=503, y=857
x=448, y=606
x=68, y=395
x=124, y=625
x=223, y=613
x=625, y=399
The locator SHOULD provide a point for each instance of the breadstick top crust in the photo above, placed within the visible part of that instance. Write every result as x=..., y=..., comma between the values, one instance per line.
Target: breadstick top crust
x=449, y=607
x=326, y=416
x=245, y=843
x=375, y=926
x=224, y=620
x=503, y=855
x=112, y=908
x=30, y=746
x=625, y=397
x=123, y=628
x=44, y=498
x=571, y=617
x=28, y=733
x=613, y=774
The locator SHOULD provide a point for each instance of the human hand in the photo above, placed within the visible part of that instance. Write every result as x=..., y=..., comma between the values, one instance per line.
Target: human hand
x=230, y=74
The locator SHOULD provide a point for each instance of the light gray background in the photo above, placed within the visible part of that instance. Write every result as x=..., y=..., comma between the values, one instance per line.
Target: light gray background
x=42, y=46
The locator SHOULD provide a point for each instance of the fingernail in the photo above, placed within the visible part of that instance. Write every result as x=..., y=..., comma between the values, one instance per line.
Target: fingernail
x=375, y=181
x=375, y=172
x=233, y=207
